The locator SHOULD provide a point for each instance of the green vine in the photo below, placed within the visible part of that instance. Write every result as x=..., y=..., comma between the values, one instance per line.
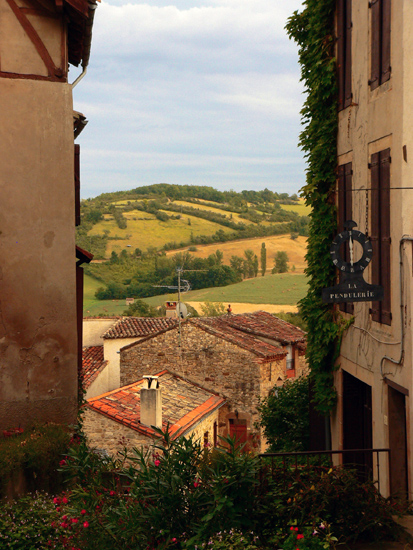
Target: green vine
x=313, y=30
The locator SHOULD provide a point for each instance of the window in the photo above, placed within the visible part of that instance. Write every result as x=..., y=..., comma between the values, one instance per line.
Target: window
x=380, y=233
x=206, y=439
x=344, y=53
x=290, y=361
x=380, y=42
x=345, y=213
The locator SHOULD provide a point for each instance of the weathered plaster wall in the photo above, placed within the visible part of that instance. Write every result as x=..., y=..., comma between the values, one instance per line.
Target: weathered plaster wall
x=111, y=348
x=93, y=330
x=379, y=119
x=99, y=385
x=17, y=53
x=38, y=338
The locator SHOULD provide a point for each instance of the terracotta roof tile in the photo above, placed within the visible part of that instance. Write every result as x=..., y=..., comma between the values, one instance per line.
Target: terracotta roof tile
x=131, y=327
x=184, y=403
x=92, y=364
x=218, y=327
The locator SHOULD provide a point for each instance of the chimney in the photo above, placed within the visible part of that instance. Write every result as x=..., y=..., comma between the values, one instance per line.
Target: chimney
x=151, y=402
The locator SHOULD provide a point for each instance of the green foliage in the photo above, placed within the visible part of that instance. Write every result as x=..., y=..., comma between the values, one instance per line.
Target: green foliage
x=36, y=452
x=263, y=259
x=30, y=523
x=284, y=416
x=310, y=539
x=212, y=309
x=280, y=262
x=139, y=308
x=293, y=318
x=232, y=540
x=313, y=30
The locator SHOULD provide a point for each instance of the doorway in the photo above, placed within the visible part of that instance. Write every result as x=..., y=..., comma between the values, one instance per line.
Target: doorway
x=397, y=442
x=357, y=424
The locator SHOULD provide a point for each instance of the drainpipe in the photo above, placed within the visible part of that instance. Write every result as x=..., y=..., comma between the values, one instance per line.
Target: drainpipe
x=87, y=41
x=399, y=361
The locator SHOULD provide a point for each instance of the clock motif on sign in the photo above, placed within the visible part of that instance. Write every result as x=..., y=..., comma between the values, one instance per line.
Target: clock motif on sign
x=351, y=236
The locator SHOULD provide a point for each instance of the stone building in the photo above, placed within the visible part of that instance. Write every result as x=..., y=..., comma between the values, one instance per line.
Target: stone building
x=126, y=416
x=113, y=334
x=239, y=356
x=40, y=286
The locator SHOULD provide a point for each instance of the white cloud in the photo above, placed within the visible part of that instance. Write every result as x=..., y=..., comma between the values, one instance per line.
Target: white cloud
x=188, y=93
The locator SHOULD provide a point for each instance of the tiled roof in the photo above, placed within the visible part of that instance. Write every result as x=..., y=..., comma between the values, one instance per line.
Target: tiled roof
x=92, y=364
x=266, y=325
x=131, y=327
x=217, y=326
x=184, y=403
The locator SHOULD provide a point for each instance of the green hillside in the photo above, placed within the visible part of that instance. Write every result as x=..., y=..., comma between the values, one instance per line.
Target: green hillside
x=281, y=289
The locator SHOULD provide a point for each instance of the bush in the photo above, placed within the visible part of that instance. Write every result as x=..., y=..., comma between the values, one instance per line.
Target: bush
x=30, y=523
x=284, y=416
x=36, y=453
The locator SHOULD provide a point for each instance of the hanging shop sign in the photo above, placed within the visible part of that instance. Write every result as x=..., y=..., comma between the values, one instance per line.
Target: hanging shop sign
x=353, y=287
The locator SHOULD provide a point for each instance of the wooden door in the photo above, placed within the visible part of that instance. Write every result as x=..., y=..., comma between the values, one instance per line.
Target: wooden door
x=397, y=443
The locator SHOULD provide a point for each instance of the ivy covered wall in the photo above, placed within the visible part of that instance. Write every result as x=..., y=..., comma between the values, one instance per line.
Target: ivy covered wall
x=313, y=30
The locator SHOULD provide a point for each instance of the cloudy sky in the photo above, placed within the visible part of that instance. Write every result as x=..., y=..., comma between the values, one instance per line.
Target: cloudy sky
x=204, y=93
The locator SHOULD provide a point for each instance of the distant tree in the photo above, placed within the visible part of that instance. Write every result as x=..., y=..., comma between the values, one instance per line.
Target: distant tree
x=280, y=262
x=94, y=216
x=189, y=221
x=114, y=258
x=249, y=259
x=212, y=309
x=139, y=308
x=236, y=264
x=263, y=259
x=294, y=235
x=219, y=256
x=255, y=265
x=138, y=252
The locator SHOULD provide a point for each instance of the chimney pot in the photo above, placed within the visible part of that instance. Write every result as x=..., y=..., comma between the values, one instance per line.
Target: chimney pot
x=151, y=402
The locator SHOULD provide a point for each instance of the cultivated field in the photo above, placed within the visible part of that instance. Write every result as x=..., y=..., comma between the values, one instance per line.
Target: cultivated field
x=296, y=250
x=144, y=230
x=271, y=293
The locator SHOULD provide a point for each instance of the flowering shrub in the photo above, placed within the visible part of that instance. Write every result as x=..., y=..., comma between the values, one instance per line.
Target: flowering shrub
x=319, y=538
x=231, y=540
x=30, y=523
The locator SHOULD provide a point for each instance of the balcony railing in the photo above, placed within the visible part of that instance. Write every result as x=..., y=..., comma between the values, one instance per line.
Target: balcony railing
x=366, y=462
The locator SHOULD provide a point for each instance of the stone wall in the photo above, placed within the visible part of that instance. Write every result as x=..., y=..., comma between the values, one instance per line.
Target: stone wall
x=103, y=433
x=206, y=359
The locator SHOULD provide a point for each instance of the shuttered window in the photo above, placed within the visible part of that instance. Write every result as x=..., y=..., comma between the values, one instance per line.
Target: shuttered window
x=77, y=184
x=344, y=53
x=380, y=233
x=345, y=213
x=380, y=42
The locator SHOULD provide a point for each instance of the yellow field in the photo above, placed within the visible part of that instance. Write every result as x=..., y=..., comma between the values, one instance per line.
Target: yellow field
x=249, y=308
x=296, y=250
x=235, y=217
x=301, y=208
x=151, y=232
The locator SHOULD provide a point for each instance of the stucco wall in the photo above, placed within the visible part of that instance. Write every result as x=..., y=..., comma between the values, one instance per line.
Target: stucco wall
x=38, y=338
x=93, y=330
x=99, y=385
x=210, y=361
x=111, y=348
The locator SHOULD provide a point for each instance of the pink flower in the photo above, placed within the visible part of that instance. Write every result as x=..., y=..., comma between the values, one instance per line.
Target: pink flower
x=83, y=512
x=64, y=500
x=64, y=517
x=75, y=520
x=112, y=493
x=196, y=483
x=62, y=462
x=174, y=539
x=86, y=524
x=157, y=462
x=56, y=500
x=300, y=537
x=296, y=529
x=291, y=528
